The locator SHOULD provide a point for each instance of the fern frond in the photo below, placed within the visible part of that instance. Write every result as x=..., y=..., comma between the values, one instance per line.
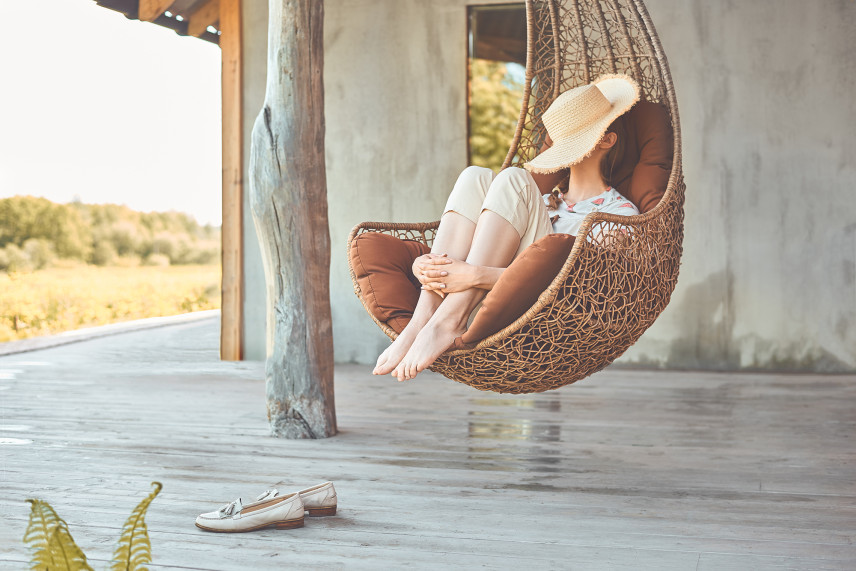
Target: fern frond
x=141, y=552
x=48, y=538
x=43, y=520
x=66, y=553
x=134, y=551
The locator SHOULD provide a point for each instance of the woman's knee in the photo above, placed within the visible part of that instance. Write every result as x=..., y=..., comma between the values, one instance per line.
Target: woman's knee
x=512, y=180
x=475, y=176
x=513, y=197
x=512, y=174
x=472, y=185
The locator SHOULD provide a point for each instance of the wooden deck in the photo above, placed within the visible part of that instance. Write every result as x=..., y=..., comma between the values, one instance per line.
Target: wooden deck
x=636, y=470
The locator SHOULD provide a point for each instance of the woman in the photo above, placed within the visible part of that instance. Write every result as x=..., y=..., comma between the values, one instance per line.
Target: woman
x=489, y=220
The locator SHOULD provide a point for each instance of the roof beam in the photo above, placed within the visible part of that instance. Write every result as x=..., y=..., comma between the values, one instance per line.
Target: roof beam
x=206, y=14
x=151, y=9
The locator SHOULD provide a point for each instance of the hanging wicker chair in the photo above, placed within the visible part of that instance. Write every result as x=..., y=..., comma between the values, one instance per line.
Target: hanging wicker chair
x=605, y=296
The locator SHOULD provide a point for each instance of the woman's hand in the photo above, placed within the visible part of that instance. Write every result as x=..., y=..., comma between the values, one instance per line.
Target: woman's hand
x=421, y=260
x=445, y=275
x=420, y=275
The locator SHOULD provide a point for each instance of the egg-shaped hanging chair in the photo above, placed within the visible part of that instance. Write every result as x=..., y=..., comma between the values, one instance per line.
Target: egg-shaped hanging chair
x=607, y=293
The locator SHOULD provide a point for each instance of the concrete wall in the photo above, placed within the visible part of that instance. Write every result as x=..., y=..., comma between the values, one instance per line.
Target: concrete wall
x=254, y=24
x=766, y=95
x=395, y=105
x=765, y=91
x=396, y=131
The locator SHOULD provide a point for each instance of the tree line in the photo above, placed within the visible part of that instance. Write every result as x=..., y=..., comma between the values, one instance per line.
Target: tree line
x=36, y=233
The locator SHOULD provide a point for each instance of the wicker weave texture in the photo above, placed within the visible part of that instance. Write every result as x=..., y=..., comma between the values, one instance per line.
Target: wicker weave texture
x=610, y=290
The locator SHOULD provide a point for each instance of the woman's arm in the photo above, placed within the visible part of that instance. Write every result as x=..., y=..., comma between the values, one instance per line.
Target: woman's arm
x=446, y=275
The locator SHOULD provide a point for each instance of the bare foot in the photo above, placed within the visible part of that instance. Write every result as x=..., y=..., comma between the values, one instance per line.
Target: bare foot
x=430, y=343
x=393, y=354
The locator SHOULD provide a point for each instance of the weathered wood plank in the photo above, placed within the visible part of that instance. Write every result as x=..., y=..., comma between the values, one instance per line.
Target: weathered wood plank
x=361, y=522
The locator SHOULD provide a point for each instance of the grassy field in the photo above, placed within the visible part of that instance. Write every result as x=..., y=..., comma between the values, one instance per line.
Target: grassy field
x=61, y=299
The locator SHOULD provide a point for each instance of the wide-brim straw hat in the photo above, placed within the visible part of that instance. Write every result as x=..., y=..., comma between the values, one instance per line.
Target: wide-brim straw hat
x=578, y=119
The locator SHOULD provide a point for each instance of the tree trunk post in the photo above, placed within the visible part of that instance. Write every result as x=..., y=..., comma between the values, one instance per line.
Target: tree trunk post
x=288, y=199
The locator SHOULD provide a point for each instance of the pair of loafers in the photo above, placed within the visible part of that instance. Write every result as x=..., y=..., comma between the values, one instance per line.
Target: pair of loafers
x=272, y=509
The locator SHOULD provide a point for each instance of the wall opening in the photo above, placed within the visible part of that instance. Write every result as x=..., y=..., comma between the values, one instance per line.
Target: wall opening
x=496, y=71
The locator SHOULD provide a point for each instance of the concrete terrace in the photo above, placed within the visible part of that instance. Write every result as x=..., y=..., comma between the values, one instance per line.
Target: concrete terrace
x=626, y=470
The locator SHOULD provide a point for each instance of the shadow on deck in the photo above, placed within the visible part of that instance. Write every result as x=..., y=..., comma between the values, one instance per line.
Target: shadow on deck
x=628, y=469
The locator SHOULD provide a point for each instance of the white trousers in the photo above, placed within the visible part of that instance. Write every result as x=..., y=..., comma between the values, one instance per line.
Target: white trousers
x=512, y=194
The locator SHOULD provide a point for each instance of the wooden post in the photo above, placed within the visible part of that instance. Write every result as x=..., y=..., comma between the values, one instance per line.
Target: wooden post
x=288, y=198
x=232, y=239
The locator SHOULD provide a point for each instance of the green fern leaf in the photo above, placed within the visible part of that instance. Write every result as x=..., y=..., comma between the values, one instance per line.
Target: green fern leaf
x=48, y=538
x=43, y=520
x=141, y=552
x=65, y=551
x=134, y=551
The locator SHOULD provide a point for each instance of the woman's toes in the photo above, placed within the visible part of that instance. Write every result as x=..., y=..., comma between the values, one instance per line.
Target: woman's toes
x=381, y=361
x=385, y=363
x=401, y=372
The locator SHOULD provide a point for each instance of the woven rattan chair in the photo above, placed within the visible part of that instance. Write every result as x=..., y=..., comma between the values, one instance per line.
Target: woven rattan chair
x=606, y=295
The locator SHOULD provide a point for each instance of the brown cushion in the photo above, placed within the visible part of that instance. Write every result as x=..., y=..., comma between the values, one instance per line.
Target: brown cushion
x=383, y=267
x=644, y=171
x=519, y=287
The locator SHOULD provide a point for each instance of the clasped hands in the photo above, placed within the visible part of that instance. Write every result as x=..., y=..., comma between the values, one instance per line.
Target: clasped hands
x=440, y=274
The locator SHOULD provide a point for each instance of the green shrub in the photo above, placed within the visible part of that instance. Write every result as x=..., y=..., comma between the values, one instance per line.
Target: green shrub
x=40, y=252
x=156, y=260
x=14, y=259
x=104, y=254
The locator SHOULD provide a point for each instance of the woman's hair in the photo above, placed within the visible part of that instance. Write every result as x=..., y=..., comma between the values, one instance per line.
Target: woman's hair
x=607, y=165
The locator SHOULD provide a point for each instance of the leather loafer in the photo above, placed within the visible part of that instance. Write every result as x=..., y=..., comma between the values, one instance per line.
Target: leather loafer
x=318, y=500
x=281, y=512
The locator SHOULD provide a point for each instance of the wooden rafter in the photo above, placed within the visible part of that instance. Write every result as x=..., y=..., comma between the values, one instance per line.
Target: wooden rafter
x=206, y=14
x=151, y=9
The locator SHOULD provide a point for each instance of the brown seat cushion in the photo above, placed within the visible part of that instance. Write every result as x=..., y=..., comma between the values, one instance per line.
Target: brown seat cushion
x=382, y=265
x=519, y=287
x=643, y=174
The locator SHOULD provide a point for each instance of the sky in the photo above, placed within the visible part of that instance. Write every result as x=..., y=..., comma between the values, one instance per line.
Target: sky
x=105, y=109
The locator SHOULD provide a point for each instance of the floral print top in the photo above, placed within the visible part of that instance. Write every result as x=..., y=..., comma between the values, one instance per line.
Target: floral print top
x=568, y=218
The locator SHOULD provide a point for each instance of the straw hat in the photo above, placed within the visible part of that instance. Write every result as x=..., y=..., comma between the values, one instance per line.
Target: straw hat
x=579, y=117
